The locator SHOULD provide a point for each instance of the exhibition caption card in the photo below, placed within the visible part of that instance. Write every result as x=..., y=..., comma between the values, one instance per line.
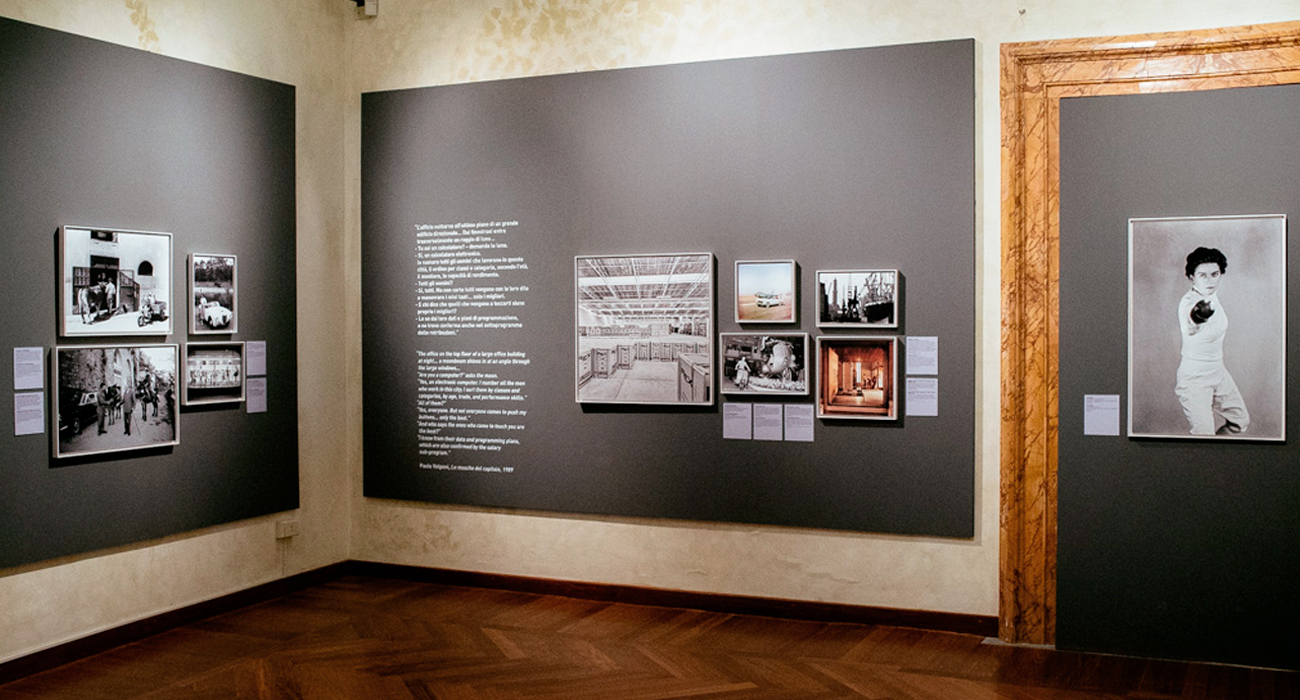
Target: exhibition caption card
x=767, y=421
x=923, y=391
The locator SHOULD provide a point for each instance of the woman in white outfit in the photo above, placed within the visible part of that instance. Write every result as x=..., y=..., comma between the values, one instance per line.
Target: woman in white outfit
x=1205, y=388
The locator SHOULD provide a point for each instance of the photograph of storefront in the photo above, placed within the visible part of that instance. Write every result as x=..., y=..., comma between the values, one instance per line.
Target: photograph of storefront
x=214, y=373
x=115, y=282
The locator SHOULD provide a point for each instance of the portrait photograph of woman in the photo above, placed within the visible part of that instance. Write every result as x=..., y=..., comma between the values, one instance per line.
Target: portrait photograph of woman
x=1207, y=327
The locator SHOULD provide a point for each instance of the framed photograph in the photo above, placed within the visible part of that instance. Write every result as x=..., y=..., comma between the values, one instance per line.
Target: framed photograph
x=644, y=328
x=857, y=377
x=114, y=282
x=214, y=373
x=857, y=299
x=764, y=363
x=113, y=398
x=1207, y=328
x=212, y=294
x=765, y=291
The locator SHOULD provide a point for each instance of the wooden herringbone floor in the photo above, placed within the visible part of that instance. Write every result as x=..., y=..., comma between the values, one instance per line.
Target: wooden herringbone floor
x=375, y=639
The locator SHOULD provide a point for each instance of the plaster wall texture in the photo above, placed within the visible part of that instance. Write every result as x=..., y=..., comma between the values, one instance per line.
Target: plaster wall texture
x=435, y=42
x=290, y=41
x=331, y=56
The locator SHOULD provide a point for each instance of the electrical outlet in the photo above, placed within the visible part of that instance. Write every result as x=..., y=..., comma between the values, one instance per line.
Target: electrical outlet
x=285, y=529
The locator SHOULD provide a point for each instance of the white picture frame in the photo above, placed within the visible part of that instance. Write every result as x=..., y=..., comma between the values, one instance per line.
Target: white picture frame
x=103, y=396
x=213, y=293
x=860, y=299
x=764, y=364
x=766, y=291
x=214, y=372
x=1191, y=373
x=114, y=282
x=644, y=329
x=857, y=377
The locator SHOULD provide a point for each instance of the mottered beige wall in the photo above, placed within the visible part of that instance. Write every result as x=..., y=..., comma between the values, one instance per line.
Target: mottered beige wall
x=332, y=55
x=413, y=44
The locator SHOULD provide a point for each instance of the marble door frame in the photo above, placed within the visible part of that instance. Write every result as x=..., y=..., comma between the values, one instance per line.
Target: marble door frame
x=1035, y=76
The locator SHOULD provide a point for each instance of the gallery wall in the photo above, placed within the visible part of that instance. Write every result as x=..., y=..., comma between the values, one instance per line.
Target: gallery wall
x=415, y=44
x=70, y=596
x=412, y=45
x=859, y=159
x=1177, y=547
x=206, y=156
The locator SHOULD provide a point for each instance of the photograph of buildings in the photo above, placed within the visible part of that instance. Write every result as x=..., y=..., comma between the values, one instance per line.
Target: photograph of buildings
x=644, y=329
x=857, y=298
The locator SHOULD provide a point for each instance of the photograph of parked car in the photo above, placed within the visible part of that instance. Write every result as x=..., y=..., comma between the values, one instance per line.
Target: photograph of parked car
x=114, y=398
x=765, y=291
x=77, y=410
x=212, y=293
x=114, y=282
x=214, y=373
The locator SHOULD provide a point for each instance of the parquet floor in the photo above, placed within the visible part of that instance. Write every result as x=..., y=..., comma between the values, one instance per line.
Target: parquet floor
x=376, y=639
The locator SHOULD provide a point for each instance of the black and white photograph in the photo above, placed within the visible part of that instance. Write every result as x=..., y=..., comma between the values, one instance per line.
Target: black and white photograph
x=114, y=282
x=857, y=377
x=114, y=398
x=764, y=363
x=1207, y=328
x=644, y=328
x=212, y=294
x=214, y=373
x=765, y=291
x=857, y=298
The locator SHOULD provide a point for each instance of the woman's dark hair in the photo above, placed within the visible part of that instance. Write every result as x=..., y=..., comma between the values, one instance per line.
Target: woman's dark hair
x=1202, y=255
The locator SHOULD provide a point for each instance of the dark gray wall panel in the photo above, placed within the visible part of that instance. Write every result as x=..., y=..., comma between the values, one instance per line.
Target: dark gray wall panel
x=102, y=135
x=860, y=158
x=1171, y=548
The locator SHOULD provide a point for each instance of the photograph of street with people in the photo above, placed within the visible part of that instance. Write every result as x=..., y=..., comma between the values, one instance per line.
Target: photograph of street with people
x=114, y=398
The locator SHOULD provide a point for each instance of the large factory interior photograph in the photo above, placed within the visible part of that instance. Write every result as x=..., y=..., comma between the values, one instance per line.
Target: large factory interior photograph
x=650, y=349
x=644, y=329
